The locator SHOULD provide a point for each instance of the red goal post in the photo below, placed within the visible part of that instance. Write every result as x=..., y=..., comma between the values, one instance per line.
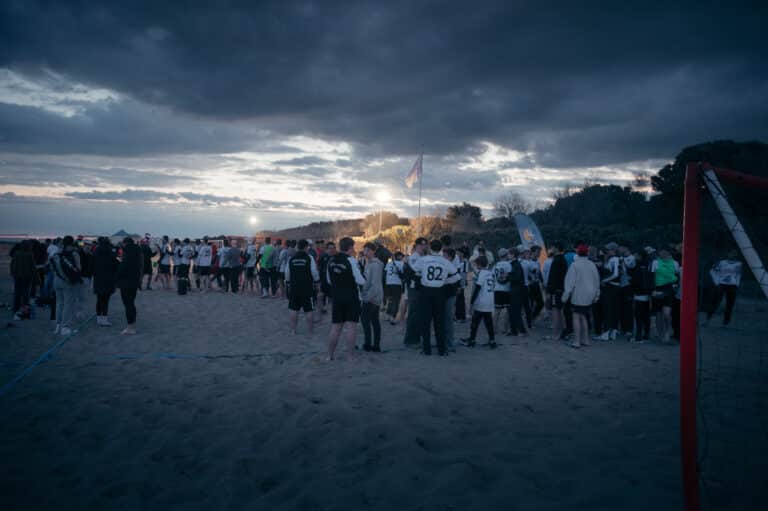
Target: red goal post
x=694, y=185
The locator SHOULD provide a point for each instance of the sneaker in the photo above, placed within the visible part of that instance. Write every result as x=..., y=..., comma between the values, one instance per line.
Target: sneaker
x=574, y=345
x=468, y=342
x=17, y=317
x=105, y=321
x=65, y=331
x=492, y=345
x=376, y=349
x=614, y=333
x=57, y=330
x=606, y=336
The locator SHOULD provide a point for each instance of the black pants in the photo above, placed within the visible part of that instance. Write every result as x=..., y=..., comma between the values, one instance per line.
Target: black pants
x=527, y=310
x=610, y=296
x=268, y=279
x=625, y=308
x=487, y=318
x=369, y=318
x=535, y=299
x=224, y=282
x=102, y=303
x=394, y=293
x=597, y=317
x=234, y=278
x=21, y=290
x=413, y=329
x=515, y=310
x=642, y=320
x=128, y=295
x=431, y=309
x=729, y=291
x=461, y=305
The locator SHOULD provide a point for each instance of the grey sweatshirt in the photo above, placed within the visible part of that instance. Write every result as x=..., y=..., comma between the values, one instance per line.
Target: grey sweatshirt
x=373, y=289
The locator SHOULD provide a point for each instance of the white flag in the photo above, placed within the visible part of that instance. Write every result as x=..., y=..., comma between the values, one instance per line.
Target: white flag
x=415, y=173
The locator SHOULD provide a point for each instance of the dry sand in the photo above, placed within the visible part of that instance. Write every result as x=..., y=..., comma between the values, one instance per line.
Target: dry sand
x=214, y=406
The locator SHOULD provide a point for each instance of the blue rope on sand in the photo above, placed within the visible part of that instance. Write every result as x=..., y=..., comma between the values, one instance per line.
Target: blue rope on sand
x=48, y=354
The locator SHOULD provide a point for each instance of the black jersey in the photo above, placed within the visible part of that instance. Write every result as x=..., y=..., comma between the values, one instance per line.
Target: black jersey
x=300, y=274
x=344, y=274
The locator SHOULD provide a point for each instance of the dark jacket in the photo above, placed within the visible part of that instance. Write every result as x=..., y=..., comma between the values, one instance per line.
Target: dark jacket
x=129, y=271
x=104, y=270
x=556, y=280
x=23, y=265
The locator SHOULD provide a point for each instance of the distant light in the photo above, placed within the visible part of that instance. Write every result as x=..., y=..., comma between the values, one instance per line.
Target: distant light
x=383, y=196
x=253, y=220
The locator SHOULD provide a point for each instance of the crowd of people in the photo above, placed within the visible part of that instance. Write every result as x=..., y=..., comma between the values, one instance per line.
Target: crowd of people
x=587, y=292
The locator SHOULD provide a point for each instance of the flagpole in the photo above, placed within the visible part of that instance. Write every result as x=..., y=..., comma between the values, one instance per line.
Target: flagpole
x=421, y=176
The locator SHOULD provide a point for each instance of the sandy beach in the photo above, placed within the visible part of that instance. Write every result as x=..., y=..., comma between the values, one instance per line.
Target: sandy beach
x=214, y=406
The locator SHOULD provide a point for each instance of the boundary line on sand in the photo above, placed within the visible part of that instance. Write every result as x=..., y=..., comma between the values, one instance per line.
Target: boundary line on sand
x=47, y=355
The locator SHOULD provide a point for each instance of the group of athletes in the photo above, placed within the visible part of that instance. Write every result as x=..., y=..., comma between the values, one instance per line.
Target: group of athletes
x=610, y=291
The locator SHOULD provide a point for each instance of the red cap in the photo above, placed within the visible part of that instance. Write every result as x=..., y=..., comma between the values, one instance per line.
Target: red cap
x=582, y=250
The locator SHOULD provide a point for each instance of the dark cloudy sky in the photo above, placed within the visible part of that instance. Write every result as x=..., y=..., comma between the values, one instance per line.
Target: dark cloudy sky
x=155, y=117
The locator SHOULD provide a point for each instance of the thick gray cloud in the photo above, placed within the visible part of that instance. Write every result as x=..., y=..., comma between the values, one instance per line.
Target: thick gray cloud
x=576, y=84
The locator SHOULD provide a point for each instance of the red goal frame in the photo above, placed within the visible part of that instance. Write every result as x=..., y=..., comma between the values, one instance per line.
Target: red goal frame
x=688, y=316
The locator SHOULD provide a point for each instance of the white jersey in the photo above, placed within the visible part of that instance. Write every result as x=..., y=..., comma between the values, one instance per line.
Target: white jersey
x=726, y=272
x=52, y=250
x=413, y=260
x=463, y=270
x=485, y=281
x=165, y=254
x=435, y=271
x=392, y=272
x=204, y=255
x=176, y=256
x=223, y=259
x=251, y=255
x=533, y=272
x=501, y=271
x=187, y=253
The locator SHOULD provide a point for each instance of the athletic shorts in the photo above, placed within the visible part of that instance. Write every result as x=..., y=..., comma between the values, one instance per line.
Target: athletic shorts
x=502, y=299
x=165, y=269
x=204, y=270
x=581, y=309
x=345, y=312
x=663, y=296
x=296, y=303
x=555, y=300
x=195, y=269
x=249, y=271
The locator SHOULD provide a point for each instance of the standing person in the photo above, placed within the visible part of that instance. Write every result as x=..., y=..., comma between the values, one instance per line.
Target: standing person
x=196, y=265
x=24, y=275
x=105, y=266
x=555, y=288
x=128, y=280
x=176, y=259
x=276, y=276
x=524, y=259
x=611, y=292
x=203, y=264
x=85, y=250
x=582, y=289
x=626, y=300
x=665, y=271
x=147, y=254
x=413, y=330
x=234, y=267
x=224, y=266
x=501, y=291
x=517, y=296
x=266, y=253
x=726, y=275
x=372, y=296
x=345, y=277
x=451, y=289
x=301, y=277
x=164, y=264
x=251, y=255
x=393, y=272
x=66, y=269
x=186, y=253
x=433, y=272
x=642, y=283
x=282, y=264
x=597, y=309
x=481, y=304
x=534, y=283
x=325, y=284
x=460, y=313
